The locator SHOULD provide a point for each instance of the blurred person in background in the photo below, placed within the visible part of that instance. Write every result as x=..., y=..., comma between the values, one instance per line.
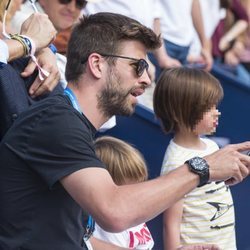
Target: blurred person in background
x=177, y=25
x=63, y=14
x=233, y=23
x=239, y=54
x=211, y=16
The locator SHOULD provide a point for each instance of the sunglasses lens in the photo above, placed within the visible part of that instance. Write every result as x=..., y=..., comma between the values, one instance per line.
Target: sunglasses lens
x=79, y=3
x=141, y=66
x=64, y=1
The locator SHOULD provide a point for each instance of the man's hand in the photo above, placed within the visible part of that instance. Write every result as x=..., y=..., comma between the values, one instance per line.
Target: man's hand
x=40, y=29
x=229, y=164
x=47, y=60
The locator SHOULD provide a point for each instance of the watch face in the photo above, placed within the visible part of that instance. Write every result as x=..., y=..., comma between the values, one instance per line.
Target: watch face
x=199, y=163
x=199, y=166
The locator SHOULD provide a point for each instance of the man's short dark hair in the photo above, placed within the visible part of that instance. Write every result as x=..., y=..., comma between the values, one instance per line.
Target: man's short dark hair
x=102, y=33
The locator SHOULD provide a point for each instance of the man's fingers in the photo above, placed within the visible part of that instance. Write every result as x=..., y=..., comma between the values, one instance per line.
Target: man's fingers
x=241, y=146
x=244, y=165
x=29, y=69
x=34, y=87
x=241, y=173
x=41, y=87
x=230, y=164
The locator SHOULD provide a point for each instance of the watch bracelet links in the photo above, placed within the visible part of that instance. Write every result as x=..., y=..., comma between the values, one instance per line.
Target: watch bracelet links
x=204, y=182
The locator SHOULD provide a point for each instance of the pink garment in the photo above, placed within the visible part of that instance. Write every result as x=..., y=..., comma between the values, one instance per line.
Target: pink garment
x=239, y=14
x=245, y=55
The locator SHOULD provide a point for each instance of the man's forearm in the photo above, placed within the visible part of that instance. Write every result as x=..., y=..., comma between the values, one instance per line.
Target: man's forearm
x=16, y=49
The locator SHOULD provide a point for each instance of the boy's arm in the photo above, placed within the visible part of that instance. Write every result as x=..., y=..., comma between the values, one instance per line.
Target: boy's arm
x=171, y=226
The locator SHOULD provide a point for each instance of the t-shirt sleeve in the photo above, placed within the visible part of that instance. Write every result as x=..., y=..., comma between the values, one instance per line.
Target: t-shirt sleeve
x=174, y=158
x=169, y=164
x=60, y=144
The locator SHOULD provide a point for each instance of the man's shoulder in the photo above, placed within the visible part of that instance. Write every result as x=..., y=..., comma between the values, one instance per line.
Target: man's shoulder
x=49, y=112
x=53, y=103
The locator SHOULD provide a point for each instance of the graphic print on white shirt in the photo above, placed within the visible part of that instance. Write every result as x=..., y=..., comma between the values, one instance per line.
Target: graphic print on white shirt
x=138, y=237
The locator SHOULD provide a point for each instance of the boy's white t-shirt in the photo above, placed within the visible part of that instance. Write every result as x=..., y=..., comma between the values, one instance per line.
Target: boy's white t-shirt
x=208, y=211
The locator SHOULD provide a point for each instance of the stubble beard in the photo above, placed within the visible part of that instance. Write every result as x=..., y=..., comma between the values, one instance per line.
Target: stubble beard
x=114, y=100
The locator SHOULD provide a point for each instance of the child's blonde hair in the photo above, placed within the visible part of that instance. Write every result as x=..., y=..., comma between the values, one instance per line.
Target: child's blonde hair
x=124, y=162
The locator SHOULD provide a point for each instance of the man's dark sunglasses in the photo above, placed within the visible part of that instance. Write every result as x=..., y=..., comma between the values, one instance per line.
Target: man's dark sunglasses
x=80, y=4
x=140, y=64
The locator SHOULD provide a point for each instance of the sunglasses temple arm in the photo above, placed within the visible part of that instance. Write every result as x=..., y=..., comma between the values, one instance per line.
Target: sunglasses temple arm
x=34, y=6
x=4, y=25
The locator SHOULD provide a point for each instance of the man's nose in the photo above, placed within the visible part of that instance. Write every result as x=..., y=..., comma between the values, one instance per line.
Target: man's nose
x=145, y=79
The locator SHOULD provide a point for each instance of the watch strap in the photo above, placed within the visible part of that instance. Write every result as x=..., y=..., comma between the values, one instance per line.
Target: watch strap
x=201, y=169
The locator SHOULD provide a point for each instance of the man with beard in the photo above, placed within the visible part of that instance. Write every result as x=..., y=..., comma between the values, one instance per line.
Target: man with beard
x=49, y=170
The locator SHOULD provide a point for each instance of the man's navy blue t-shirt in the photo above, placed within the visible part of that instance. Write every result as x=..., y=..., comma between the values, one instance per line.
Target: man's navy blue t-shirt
x=46, y=143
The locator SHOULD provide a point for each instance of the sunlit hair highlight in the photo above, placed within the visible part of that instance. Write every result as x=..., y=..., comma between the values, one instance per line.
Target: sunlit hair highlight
x=124, y=162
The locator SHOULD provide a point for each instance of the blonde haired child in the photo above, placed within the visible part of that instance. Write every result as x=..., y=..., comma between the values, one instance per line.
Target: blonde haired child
x=126, y=166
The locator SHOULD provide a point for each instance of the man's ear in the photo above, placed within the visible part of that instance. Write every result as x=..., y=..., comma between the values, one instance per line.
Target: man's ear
x=95, y=64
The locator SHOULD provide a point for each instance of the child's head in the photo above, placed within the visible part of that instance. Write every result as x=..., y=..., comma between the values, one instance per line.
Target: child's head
x=183, y=95
x=125, y=164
